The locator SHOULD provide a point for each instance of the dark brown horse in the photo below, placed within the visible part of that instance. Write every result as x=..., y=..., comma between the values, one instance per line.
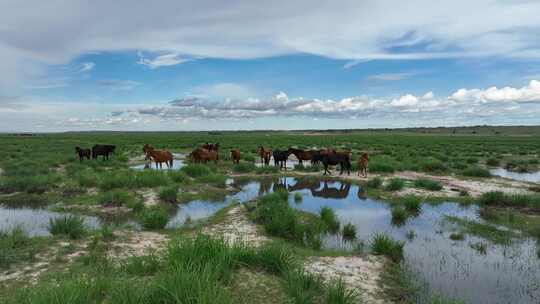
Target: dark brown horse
x=341, y=158
x=280, y=158
x=265, y=154
x=301, y=155
x=318, y=155
x=158, y=156
x=201, y=155
x=83, y=153
x=362, y=164
x=103, y=150
x=235, y=156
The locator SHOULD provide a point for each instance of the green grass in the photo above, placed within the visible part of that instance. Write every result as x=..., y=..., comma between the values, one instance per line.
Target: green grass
x=457, y=236
x=484, y=230
x=399, y=215
x=115, y=198
x=349, y=231
x=474, y=171
x=169, y=194
x=382, y=244
x=179, y=177
x=497, y=198
x=412, y=204
x=196, y=170
x=395, y=184
x=244, y=167
x=298, y=197
x=15, y=246
x=329, y=218
x=70, y=226
x=154, y=218
x=214, y=179
x=493, y=162
x=428, y=184
x=374, y=183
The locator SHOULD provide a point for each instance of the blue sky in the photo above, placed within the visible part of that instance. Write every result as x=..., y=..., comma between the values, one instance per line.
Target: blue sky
x=250, y=65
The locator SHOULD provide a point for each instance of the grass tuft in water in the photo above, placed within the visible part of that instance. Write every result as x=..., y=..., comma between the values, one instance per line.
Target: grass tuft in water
x=349, y=231
x=70, y=225
x=475, y=171
x=169, y=194
x=382, y=244
x=399, y=216
x=154, y=218
x=329, y=218
x=374, y=183
x=395, y=184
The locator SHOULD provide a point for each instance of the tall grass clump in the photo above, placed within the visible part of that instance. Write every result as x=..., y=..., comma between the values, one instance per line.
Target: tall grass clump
x=412, y=203
x=69, y=225
x=493, y=162
x=399, y=216
x=154, y=218
x=214, y=179
x=244, y=167
x=381, y=166
x=433, y=165
x=474, y=171
x=498, y=198
x=428, y=184
x=395, y=184
x=267, y=170
x=382, y=244
x=349, y=231
x=329, y=218
x=196, y=170
x=169, y=194
x=374, y=183
x=115, y=198
x=179, y=177
x=298, y=197
x=14, y=246
x=337, y=293
x=149, y=179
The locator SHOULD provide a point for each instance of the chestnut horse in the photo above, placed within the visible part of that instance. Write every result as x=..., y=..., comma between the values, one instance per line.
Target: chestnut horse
x=235, y=156
x=212, y=147
x=301, y=155
x=265, y=154
x=201, y=155
x=362, y=164
x=83, y=153
x=159, y=156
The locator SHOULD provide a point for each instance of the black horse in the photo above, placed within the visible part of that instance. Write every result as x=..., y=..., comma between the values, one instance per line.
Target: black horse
x=343, y=159
x=280, y=158
x=82, y=153
x=103, y=150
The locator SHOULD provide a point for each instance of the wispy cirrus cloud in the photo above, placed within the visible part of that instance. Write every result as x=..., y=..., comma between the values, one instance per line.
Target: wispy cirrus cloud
x=163, y=60
x=87, y=66
x=117, y=84
x=392, y=76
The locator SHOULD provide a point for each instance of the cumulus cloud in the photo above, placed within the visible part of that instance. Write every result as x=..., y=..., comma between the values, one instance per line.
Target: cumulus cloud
x=530, y=93
x=162, y=60
x=372, y=29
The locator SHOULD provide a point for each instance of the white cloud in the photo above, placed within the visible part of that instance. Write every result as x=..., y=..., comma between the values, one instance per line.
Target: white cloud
x=347, y=29
x=87, y=66
x=530, y=93
x=163, y=60
x=116, y=84
x=392, y=76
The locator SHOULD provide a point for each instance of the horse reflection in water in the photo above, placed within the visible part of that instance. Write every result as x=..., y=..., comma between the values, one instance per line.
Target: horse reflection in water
x=280, y=184
x=332, y=192
x=362, y=193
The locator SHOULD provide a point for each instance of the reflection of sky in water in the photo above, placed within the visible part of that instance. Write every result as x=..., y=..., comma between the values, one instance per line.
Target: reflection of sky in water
x=177, y=164
x=35, y=221
x=508, y=274
x=533, y=177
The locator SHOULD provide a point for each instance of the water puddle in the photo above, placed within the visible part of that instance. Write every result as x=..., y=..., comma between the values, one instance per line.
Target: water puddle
x=35, y=222
x=178, y=163
x=532, y=177
x=503, y=274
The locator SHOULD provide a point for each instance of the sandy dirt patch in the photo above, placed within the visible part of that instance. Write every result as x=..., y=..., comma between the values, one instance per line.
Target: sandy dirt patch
x=473, y=187
x=136, y=243
x=361, y=274
x=150, y=197
x=236, y=227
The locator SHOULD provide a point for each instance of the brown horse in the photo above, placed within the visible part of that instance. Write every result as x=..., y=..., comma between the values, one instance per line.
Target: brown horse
x=301, y=155
x=318, y=155
x=362, y=164
x=266, y=155
x=158, y=156
x=235, y=156
x=201, y=155
x=212, y=147
x=341, y=158
x=83, y=153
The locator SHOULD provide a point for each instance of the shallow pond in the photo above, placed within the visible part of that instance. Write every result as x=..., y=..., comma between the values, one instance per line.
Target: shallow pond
x=533, y=177
x=504, y=274
x=35, y=221
x=178, y=163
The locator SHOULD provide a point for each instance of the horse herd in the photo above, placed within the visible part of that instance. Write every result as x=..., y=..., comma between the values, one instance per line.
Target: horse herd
x=210, y=152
